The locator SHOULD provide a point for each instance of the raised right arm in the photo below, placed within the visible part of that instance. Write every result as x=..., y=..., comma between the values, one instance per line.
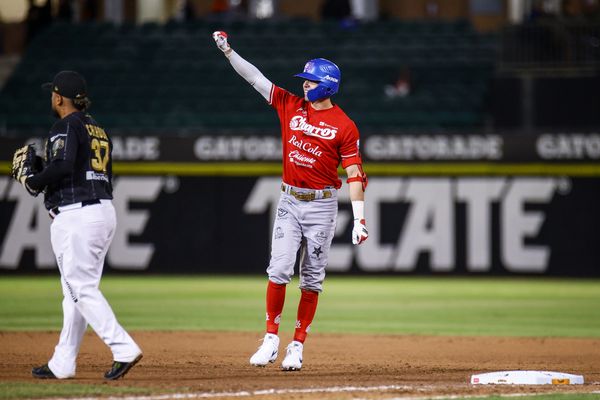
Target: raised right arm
x=246, y=70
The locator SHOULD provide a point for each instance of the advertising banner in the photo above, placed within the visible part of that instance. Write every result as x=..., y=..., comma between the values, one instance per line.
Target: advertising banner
x=473, y=148
x=470, y=204
x=479, y=225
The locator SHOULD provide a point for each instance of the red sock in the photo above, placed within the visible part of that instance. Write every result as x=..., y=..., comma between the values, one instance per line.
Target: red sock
x=306, y=312
x=275, y=300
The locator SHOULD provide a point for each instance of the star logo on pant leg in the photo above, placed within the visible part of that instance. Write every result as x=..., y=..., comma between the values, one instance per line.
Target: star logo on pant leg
x=317, y=251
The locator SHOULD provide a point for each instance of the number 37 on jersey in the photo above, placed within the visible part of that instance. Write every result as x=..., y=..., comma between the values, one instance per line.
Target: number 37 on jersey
x=100, y=147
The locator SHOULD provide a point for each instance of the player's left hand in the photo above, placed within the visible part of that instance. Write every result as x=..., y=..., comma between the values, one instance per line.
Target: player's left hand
x=359, y=232
x=220, y=38
x=24, y=166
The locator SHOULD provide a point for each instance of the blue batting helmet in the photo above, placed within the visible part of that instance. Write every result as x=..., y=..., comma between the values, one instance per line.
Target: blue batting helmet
x=326, y=73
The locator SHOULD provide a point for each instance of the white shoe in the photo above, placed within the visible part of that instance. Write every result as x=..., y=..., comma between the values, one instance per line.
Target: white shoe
x=293, y=357
x=267, y=352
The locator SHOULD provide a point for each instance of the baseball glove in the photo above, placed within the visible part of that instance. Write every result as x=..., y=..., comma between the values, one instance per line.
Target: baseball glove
x=25, y=164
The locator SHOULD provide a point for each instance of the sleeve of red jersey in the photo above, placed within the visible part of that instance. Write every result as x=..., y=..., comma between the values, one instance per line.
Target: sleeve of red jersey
x=278, y=97
x=350, y=147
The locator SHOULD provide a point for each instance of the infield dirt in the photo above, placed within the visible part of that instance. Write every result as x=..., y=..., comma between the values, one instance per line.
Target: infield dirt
x=217, y=362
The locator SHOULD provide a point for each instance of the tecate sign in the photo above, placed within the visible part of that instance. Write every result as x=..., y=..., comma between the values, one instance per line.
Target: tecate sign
x=428, y=226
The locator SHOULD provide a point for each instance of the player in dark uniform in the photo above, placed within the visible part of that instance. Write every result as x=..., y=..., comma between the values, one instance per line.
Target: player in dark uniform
x=77, y=186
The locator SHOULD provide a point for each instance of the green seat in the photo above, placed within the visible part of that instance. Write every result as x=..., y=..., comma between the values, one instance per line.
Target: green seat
x=170, y=77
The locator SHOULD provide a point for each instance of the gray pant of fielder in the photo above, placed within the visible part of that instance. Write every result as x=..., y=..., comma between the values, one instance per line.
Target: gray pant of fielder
x=307, y=223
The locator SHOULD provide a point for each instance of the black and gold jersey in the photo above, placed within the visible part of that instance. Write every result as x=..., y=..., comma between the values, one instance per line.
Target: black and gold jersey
x=80, y=141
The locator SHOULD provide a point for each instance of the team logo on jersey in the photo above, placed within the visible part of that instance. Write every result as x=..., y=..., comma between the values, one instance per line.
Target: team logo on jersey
x=298, y=123
x=59, y=144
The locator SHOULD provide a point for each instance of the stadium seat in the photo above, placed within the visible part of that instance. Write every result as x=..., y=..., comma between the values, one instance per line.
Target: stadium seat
x=171, y=78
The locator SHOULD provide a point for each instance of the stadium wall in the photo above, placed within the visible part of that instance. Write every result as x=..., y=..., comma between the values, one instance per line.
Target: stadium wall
x=436, y=204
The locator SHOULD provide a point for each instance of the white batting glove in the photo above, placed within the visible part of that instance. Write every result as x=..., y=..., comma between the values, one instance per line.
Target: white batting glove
x=220, y=38
x=359, y=232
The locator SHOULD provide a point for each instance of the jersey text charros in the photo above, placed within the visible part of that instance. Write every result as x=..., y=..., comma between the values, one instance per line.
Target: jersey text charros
x=314, y=141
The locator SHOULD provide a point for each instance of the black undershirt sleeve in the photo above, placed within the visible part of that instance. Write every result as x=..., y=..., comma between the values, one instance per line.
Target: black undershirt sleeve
x=53, y=172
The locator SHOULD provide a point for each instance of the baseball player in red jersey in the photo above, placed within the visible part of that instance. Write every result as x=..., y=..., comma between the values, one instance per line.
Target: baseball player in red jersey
x=317, y=135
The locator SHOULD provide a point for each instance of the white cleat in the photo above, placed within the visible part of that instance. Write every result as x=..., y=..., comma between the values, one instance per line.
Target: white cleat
x=267, y=352
x=293, y=357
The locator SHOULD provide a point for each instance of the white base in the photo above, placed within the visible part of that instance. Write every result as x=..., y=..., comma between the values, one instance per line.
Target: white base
x=526, y=378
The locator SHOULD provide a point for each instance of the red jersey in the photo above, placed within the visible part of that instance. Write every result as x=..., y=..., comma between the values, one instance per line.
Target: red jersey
x=314, y=141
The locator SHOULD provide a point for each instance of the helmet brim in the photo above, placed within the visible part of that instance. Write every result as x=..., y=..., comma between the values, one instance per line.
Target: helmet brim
x=308, y=76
